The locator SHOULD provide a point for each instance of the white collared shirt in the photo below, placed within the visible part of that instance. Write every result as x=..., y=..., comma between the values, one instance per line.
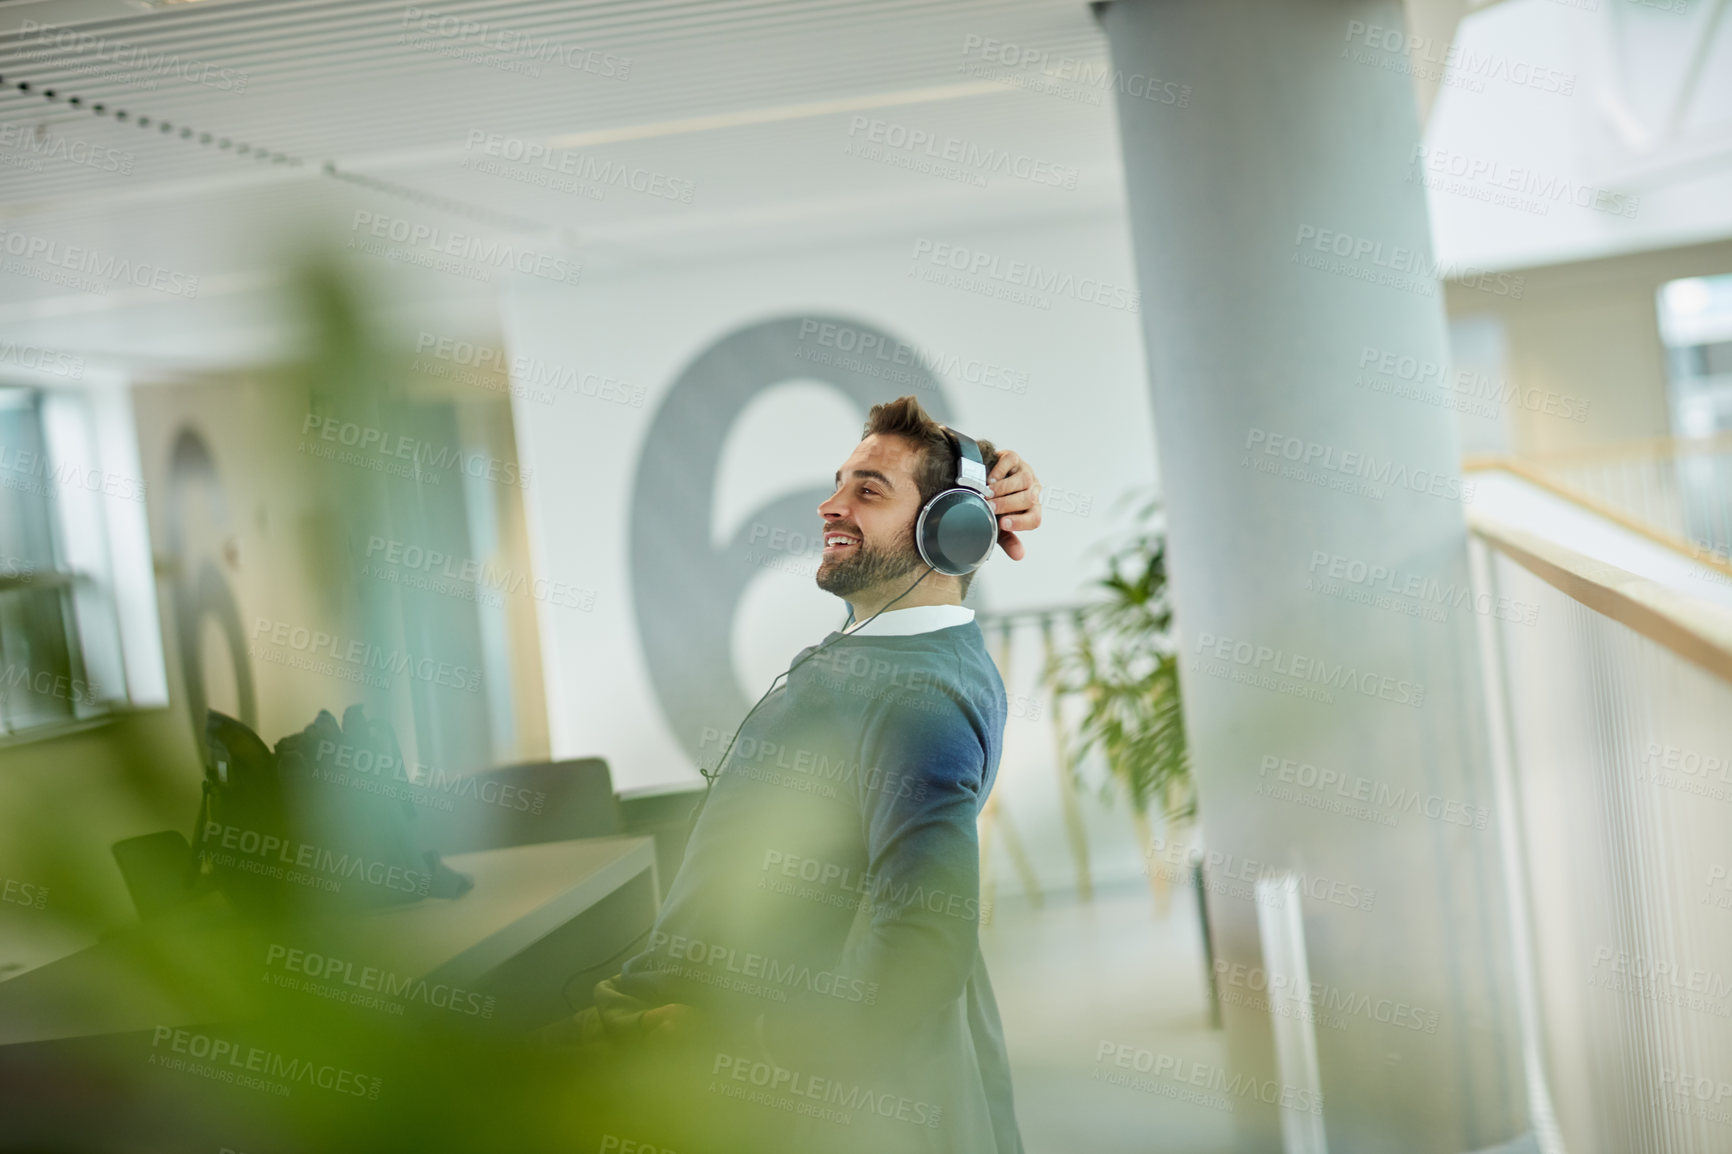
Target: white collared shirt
x=914, y=619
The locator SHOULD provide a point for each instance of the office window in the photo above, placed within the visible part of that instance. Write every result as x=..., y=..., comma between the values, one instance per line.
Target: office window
x=1696, y=327
x=50, y=609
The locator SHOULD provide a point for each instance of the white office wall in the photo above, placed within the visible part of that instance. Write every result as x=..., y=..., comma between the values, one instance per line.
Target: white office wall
x=1083, y=421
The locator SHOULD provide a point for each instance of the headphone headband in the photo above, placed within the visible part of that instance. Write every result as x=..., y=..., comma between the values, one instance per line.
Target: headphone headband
x=970, y=465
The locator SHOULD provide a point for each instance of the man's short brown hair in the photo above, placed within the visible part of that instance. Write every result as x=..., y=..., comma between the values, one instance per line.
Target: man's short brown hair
x=936, y=470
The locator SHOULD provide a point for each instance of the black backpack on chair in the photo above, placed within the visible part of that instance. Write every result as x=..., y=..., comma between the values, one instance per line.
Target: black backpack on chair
x=291, y=831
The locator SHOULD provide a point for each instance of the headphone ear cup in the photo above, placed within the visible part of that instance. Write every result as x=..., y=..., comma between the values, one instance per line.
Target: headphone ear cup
x=956, y=532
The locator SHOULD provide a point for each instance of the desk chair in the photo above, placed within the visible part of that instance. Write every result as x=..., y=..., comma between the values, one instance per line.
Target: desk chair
x=523, y=805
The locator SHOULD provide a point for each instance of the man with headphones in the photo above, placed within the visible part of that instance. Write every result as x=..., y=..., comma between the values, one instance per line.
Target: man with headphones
x=814, y=978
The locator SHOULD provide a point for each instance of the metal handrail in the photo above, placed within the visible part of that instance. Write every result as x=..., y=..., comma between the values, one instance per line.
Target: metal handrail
x=1641, y=449
x=1039, y=613
x=1698, y=631
x=1534, y=473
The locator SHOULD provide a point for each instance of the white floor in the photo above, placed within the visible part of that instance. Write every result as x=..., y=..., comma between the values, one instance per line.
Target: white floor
x=1071, y=977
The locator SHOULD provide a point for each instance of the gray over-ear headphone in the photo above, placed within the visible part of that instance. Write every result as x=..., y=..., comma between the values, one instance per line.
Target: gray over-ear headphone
x=957, y=529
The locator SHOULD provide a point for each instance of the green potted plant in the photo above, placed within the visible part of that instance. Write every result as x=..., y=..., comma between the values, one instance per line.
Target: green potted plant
x=1122, y=661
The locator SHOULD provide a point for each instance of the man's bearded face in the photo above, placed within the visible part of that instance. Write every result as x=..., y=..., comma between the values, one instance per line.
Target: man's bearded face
x=869, y=519
x=848, y=569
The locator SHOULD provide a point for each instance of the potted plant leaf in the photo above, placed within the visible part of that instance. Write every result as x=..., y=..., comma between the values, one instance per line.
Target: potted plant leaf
x=1121, y=660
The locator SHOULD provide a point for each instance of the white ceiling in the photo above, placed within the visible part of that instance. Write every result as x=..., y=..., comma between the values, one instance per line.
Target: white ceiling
x=327, y=111
x=748, y=100
x=316, y=109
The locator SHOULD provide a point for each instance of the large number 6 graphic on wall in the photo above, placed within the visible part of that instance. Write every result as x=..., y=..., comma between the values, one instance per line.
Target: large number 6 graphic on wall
x=686, y=591
x=200, y=590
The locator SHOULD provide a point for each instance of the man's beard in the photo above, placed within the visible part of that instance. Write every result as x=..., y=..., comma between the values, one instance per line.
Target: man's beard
x=870, y=565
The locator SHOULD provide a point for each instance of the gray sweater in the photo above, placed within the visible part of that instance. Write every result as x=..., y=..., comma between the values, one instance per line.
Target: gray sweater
x=828, y=905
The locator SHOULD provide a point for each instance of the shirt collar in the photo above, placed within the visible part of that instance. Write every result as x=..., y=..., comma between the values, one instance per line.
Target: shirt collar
x=914, y=619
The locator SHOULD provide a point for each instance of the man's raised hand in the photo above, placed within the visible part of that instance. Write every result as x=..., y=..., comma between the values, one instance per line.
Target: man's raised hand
x=1015, y=499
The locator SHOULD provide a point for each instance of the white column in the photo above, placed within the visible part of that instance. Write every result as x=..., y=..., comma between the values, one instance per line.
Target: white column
x=1296, y=346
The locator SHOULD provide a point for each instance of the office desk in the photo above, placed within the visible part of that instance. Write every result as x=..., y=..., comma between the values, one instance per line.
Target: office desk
x=539, y=920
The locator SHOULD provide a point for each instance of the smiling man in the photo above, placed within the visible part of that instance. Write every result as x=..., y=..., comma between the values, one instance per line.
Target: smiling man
x=904, y=459
x=816, y=964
